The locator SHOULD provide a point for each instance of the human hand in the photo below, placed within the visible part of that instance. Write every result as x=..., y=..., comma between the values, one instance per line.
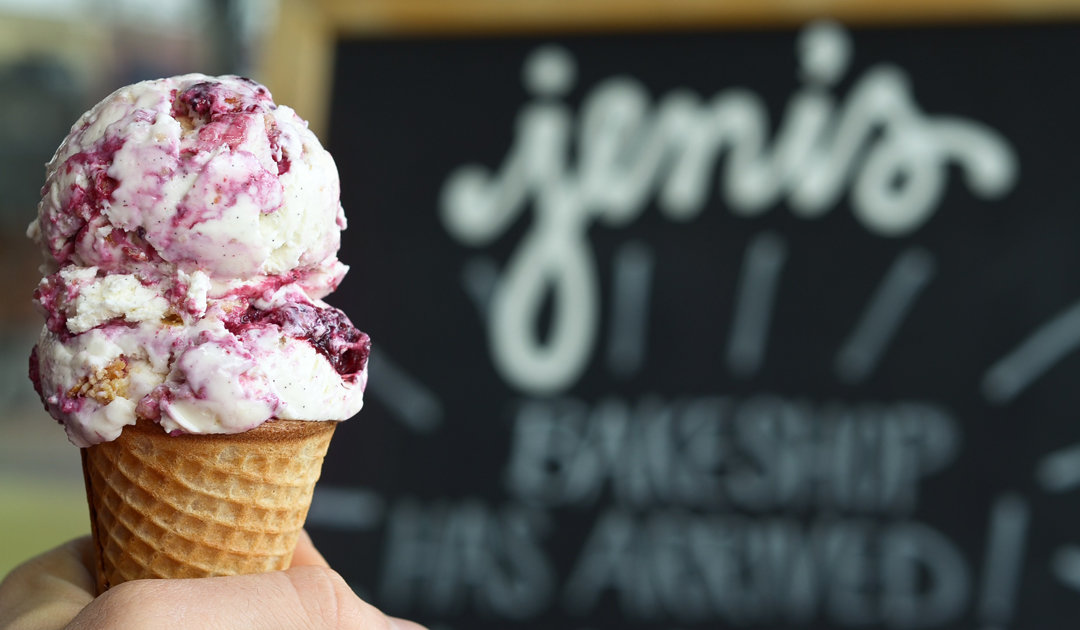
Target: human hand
x=55, y=591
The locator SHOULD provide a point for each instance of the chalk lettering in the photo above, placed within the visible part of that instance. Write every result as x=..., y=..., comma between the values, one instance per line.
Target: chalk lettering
x=746, y=571
x=761, y=453
x=443, y=557
x=861, y=457
x=874, y=143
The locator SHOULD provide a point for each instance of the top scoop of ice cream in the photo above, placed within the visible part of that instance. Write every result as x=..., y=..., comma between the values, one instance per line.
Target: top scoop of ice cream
x=190, y=228
x=194, y=173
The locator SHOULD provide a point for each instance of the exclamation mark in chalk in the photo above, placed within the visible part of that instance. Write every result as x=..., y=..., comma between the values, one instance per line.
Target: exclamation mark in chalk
x=1004, y=560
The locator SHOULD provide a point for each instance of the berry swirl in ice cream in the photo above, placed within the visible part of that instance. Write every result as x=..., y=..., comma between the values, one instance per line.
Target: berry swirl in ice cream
x=190, y=228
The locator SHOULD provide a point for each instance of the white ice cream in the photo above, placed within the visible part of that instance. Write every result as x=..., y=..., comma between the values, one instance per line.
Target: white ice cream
x=190, y=228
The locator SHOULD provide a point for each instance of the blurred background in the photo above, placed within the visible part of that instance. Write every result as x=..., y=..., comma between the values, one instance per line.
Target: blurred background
x=58, y=58
x=812, y=370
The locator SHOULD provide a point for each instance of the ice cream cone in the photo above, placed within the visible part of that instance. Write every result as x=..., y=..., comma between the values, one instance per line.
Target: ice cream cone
x=184, y=506
x=190, y=228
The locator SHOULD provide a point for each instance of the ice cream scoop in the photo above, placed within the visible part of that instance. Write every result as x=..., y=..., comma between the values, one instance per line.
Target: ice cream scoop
x=190, y=228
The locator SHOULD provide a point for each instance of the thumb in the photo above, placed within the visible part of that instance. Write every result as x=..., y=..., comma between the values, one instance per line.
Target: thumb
x=307, y=555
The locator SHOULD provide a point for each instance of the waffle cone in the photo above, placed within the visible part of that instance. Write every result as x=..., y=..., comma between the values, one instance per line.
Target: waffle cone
x=201, y=505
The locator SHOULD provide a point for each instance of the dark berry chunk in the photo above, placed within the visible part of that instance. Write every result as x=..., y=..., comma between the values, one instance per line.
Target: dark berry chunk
x=328, y=330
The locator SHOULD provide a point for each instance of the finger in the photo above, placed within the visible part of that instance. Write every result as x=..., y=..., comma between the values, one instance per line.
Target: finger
x=302, y=598
x=47, y=592
x=306, y=554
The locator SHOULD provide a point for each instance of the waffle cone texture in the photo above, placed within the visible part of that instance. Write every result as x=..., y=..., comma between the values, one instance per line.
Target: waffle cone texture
x=190, y=506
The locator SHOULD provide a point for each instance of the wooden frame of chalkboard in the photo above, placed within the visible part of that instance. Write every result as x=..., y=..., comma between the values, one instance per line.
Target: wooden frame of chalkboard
x=299, y=72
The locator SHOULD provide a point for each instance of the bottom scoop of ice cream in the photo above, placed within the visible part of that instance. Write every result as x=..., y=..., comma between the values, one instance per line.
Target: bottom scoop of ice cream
x=235, y=367
x=190, y=227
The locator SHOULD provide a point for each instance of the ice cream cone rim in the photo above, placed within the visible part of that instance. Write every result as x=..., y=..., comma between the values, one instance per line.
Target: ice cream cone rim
x=274, y=429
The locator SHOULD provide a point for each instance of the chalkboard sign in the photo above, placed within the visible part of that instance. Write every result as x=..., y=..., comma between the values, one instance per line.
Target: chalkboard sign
x=724, y=327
